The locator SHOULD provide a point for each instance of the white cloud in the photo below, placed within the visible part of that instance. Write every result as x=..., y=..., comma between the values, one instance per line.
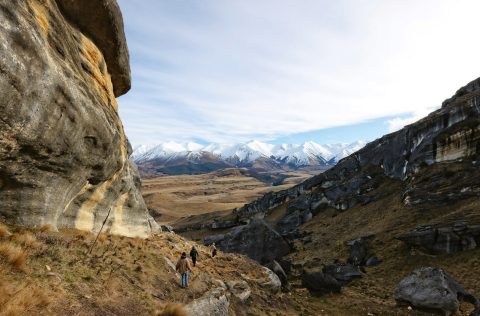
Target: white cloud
x=229, y=71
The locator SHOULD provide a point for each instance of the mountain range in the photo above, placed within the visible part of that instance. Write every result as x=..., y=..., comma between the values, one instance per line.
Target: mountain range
x=190, y=157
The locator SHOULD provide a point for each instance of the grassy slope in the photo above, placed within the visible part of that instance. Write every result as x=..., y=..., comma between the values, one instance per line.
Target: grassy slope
x=55, y=275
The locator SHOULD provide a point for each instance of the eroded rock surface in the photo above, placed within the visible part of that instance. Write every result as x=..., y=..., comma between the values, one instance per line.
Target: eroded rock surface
x=212, y=303
x=257, y=240
x=432, y=289
x=448, y=239
x=64, y=157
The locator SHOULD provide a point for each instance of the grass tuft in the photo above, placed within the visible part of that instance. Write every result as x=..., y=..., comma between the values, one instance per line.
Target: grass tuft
x=4, y=232
x=13, y=255
x=173, y=310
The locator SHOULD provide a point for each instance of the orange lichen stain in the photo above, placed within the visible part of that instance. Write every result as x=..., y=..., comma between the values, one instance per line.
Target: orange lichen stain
x=103, y=83
x=41, y=14
x=96, y=64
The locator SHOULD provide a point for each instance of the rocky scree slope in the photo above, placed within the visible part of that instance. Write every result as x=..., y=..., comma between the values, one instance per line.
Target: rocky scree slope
x=64, y=156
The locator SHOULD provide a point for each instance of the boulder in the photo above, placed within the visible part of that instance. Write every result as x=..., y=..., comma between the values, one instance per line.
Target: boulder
x=320, y=282
x=445, y=239
x=212, y=303
x=342, y=272
x=432, y=289
x=64, y=156
x=239, y=289
x=278, y=270
x=273, y=281
x=256, y=240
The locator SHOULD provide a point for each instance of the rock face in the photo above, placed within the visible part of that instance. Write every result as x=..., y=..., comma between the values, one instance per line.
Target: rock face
x=440, y=240
x=257, y=240
x=432, y=289
x=64, y=156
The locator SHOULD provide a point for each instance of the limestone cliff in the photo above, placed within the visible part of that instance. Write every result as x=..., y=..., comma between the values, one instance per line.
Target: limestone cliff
x=64, y=156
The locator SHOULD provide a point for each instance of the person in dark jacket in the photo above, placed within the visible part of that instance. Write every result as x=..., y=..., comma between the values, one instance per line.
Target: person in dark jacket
x=193, y=255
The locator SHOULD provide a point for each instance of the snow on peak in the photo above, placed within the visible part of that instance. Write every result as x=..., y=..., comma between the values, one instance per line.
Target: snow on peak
x=298, y=154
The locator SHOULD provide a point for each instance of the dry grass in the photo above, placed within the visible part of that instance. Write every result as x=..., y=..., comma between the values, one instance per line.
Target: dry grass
x=4, y=233
x=47, y=228
x=173, y=310
x=22, y=302
x=173, y=197
x=13, y=255
x=27, y=240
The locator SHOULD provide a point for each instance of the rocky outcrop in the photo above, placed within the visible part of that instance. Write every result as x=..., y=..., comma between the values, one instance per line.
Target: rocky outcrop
x=450, y=134
x=64, y=156
x=256, y=240
x=101, y=21
x=433, y=289
x=441, y=240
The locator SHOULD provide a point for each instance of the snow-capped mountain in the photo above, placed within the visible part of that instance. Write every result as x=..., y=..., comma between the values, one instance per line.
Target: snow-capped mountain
x=255, y=154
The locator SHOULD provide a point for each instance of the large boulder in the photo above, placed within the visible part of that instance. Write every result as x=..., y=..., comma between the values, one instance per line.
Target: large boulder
x=432, y=289
x=212, y=303
x=444, y=240
x=64, y=156
x=256, y=240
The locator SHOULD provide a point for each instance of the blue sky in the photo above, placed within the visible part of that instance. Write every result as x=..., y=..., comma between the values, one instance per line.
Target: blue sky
x=292, y=70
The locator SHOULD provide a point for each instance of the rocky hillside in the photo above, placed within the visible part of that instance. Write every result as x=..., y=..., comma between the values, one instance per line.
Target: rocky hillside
x=71, y=272
x=405, y=201
x=64, y=156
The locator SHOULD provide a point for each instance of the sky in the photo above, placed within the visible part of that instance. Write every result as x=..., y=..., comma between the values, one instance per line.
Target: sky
x=289, y=71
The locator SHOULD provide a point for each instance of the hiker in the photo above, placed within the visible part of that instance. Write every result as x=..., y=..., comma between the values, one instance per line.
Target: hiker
x=214, y=249
x=183, y=266
x=193, y=255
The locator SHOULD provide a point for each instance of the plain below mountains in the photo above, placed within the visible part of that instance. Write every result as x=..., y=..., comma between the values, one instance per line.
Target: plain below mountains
x=173, y=158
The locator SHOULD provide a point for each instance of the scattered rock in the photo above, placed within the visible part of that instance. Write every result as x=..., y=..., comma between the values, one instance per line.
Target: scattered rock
x=212, y=303
x=444, y=240
x=358, y=251
x=320, y=282
x=373, y=261
x=432, y=289
x=343, y=273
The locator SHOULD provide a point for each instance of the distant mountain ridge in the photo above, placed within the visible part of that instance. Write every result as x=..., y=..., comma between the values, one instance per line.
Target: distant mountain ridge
x=190, y=157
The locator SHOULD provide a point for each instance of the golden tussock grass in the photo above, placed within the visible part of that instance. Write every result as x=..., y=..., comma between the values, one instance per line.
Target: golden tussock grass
x=13, y=255
x=173, y=310
x=47, y=228
x=27, y=240
x=4, y=233
x=23, y=301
